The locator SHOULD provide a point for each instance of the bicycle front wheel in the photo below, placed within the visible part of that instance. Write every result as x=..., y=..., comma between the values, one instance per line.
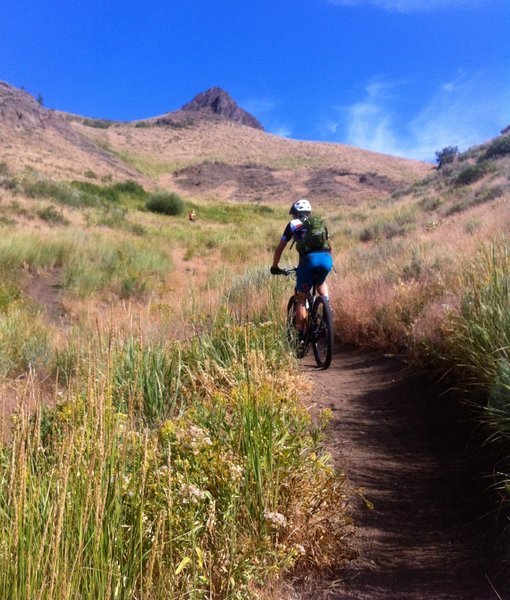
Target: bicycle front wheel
x=292, y=331
x=291, y=321
x=322, y=335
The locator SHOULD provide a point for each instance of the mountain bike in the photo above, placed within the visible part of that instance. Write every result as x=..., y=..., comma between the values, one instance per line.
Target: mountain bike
x=318, y=331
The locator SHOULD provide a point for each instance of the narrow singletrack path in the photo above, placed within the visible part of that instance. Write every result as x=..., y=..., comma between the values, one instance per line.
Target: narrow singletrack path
x=405, y=447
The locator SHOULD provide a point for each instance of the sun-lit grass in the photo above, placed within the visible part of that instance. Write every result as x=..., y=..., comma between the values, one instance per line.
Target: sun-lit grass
x=178, y=471
x=148, y=164
x=478, y=339
x=90, y=262
x=179, y=460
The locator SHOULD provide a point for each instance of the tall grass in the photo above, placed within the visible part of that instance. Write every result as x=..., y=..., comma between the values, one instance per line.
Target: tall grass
x=477, y=349
x=91, y=262
x=182, y=470
x=478, y=340
x=25, y=341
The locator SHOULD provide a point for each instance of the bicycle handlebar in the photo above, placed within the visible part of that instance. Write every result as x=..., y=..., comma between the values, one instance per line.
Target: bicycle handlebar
x=285, y=272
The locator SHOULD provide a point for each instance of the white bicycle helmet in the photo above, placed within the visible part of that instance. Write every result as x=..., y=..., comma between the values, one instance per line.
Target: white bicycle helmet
x=300, y=206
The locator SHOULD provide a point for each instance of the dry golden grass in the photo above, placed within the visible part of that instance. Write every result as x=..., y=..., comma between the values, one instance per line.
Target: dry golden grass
x=396, y=293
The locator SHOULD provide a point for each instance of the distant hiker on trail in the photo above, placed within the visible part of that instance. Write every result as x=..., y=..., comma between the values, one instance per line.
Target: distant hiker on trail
x=315, y=261
x=192, y=216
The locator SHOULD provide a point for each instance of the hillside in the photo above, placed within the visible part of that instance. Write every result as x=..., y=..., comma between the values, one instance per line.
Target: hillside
x=39, y=139
x=197, y=151
x=146, y=361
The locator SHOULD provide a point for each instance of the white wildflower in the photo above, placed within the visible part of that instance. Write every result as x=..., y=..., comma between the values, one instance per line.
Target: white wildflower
x=194, y=493
x=198, y=436
x=276, y=519
x=236, y=471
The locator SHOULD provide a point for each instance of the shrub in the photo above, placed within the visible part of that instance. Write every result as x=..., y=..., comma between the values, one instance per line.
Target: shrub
x=446, y=155
x=51, y=215
x=488, y=194
x=429, y=204
x=457, y=207
x=98, y=123
x=471, y=174
x=384, y=230
x=7, y=182
x=166, y=203
x=130, y=187
x=499, y=147
x=91, y=190
x=59, y=192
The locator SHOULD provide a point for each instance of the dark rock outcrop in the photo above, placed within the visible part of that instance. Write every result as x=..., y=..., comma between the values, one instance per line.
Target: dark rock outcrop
x=216, y=101
x=20, y=110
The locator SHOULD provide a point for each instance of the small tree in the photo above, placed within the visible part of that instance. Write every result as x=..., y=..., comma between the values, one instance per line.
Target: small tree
x=446, y=155
x=166, y=203
x=40, y=100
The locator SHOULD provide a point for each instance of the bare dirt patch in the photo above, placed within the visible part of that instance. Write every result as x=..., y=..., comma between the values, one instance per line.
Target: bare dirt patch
x=208, y=176
x=253, y=181
x=45, y=290
x=427, y=528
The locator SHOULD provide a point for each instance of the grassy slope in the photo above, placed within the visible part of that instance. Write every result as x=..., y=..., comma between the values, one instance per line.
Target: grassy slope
x=399, y=259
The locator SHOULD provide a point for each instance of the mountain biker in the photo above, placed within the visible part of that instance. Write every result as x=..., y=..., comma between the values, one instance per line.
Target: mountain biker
x=314, y=266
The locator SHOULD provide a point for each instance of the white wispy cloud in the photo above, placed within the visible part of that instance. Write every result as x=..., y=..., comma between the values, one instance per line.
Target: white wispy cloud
x=461, y=112
x=409, y=6
x=260, y=106
x=281, y=129
x=267, y=111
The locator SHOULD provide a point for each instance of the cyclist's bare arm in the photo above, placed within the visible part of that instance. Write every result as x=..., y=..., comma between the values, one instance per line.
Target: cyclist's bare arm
x=278, y=252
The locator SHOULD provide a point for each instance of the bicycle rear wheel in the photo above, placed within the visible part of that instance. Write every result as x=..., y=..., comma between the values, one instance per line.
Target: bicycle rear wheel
x=322, y=334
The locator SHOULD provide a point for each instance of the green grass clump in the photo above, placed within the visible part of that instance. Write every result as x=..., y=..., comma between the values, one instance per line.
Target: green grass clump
x=96, y=194
x=25, y=343
x=478, y=340
x=480, y=334
x=33, y=251
x=222, y=484
x=130, y=187
x=127, y=266
x=429, y=204
x=91, y=263
x=98, y=123
x=79, y=194
x=52, y=216
x=60, y=192
x=165, y=203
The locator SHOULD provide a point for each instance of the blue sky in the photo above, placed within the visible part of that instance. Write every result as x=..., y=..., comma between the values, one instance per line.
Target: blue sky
x=404, y=77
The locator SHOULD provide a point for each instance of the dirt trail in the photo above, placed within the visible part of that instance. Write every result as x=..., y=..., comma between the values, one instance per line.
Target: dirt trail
x=401, y=442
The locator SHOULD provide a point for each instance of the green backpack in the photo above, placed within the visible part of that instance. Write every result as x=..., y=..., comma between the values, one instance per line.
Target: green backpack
x=316, y=236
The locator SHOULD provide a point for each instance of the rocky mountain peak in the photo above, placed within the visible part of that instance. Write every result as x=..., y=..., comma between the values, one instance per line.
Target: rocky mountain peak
x=21, y=110
x=217, y=101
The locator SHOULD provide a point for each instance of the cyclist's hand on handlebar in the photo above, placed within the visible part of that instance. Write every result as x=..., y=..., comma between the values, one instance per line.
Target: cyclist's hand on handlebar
x=276, y=271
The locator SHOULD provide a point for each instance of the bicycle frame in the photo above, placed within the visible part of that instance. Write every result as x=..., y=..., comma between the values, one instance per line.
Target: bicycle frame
x=318, y=331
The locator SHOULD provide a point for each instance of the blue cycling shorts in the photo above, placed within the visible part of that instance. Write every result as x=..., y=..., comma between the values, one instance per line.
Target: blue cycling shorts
x=313, y=269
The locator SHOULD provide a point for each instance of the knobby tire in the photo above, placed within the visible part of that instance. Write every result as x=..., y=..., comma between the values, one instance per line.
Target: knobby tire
x=323, y=334
x=291, y=320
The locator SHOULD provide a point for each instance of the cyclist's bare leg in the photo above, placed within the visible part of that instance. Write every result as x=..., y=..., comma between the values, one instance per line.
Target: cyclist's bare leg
x=323, y=289
x=300, y=310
